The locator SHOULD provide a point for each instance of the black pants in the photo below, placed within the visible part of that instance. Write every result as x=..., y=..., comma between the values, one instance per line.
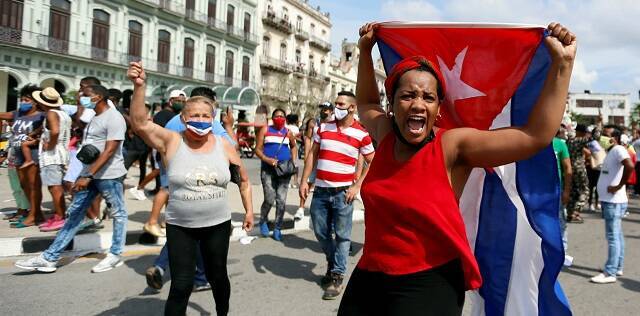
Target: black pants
x=438, y=291
x=214, y=246
x=139, y=156
x=593, y=175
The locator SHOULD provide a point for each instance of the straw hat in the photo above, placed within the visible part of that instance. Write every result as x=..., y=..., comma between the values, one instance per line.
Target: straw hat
x=48, y=97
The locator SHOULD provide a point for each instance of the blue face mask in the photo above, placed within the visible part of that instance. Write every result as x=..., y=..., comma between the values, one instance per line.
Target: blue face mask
x=25, y=106
x=87, y=103
x=200, y=128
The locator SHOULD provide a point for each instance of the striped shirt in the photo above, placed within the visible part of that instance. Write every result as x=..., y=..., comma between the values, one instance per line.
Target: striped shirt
x=272, y=140
x=339, y=150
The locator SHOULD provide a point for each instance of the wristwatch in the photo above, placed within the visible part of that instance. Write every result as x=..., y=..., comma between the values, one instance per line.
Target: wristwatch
x=90, y=177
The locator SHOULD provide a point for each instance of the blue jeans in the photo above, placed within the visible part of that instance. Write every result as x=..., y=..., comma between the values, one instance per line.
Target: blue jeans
x=112, y=191
x=162, y=262
x=330, y=213
x=612, y=213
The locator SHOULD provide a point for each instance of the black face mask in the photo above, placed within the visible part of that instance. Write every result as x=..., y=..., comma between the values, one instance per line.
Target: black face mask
x=324, y=115
x=425, y=141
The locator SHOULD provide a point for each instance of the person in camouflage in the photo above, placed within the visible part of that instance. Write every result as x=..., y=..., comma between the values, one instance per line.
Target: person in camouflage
x=578, y=148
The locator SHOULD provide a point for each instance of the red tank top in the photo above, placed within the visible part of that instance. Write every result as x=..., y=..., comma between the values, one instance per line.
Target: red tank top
x=412, y=218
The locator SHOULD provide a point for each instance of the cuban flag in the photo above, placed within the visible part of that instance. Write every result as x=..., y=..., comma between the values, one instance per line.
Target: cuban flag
x=494, y=74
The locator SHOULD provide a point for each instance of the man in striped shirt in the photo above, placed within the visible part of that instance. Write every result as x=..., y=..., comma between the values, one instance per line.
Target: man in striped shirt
x=336, y=147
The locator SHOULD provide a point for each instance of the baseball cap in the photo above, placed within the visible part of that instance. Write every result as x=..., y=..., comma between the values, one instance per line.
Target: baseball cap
x=177, y=93
x=325, y=105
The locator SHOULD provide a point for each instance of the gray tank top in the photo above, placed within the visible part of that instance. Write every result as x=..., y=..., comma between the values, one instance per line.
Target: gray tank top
x=198, y=187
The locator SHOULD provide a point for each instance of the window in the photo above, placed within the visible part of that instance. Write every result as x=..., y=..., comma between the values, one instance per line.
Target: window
x=210, y=63
x=313, y=29
x=11, y=14
x=59, y=26
x=211, y=12
x=312, y=69
x=283, y=51
x=348, y=56
x=100, y=35
x=189, y=46
x=245, y=68
x=190, y=7
x=266, y=46
x=135, y=40
x=164, y=50
x=581, y=103
x=299, y=23
x=247, y=24
x=231, y=11
x=228, y=71
x=285, y=14
x=615, y=104
x=298, y=57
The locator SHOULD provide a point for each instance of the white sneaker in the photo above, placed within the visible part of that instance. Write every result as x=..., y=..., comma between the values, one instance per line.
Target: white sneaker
x=603, y=279
x=568, y=260
x=138, y=194
x=38, y=263
x=108, y=263
x=299, y=214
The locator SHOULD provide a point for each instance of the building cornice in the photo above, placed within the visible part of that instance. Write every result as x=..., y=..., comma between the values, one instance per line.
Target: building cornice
x=305, y=7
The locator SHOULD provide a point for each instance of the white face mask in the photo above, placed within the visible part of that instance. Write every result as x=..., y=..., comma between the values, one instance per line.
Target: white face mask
x=340, y=113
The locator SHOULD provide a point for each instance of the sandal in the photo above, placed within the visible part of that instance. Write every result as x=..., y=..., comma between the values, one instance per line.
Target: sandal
x=17, y=219
x=577, y=219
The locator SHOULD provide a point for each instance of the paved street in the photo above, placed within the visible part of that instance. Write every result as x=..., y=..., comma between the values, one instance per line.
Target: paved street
x=271, y=278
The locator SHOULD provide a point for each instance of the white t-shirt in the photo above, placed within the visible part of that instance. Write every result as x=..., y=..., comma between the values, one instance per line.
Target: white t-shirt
x=295, y=130
x=611, y=174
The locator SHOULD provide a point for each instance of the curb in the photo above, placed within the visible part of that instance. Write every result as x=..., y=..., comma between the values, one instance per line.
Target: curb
x=101, y=240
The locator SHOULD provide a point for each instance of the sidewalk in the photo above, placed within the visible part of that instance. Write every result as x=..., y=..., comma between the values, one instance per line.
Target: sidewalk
x=15, y=242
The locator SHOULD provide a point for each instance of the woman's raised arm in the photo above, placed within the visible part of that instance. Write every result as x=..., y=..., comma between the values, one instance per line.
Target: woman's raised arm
x=154, y=135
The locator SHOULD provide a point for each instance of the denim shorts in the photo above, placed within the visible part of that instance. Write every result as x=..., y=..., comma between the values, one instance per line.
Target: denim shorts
x=74, y=168
x=52, y=175
x=19, y=157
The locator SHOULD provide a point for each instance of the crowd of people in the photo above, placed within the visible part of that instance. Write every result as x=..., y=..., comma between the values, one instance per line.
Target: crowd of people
x=416, y=256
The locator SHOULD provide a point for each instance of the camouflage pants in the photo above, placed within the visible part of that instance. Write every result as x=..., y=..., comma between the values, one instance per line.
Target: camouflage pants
x=579, y=192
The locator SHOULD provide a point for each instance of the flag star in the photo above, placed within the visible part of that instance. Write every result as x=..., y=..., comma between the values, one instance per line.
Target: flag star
x=456, y=88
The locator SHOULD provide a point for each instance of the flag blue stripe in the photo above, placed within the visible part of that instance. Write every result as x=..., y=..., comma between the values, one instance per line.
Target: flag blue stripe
x=538, y=186
x=495, y=243
x=389, y=56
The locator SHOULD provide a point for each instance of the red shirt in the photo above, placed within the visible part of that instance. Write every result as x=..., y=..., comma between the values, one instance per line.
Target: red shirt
x=412, y=218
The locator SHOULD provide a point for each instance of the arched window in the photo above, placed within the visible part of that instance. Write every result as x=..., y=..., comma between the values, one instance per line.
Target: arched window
x=164, y=50
x=228, y=71
x=266, y=46
x=231, y=12
x=283, y=51
x=210, y=63
x=247, y=23
x=135, y=40
x=245, y=69
x=299, y=23
x=100, y=35
x=187, y=63
x=59, y=17
x=298, y=57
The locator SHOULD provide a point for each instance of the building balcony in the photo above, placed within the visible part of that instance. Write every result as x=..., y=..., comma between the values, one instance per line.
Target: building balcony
x=46, y=44
x=197, y=16
x=173, y=7
x=319, y=76
x=320, y=43
x=302, y=35
x=299, y=70
x=269, y=18
x=273, y=64
x=217, y=24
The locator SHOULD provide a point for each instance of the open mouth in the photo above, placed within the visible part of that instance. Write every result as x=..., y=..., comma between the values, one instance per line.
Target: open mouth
x=416, y=124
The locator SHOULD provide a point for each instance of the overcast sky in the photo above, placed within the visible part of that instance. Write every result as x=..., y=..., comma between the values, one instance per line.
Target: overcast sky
x=608, y=30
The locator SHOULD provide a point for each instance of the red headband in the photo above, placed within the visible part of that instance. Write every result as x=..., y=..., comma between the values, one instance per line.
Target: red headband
x=407, y=64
